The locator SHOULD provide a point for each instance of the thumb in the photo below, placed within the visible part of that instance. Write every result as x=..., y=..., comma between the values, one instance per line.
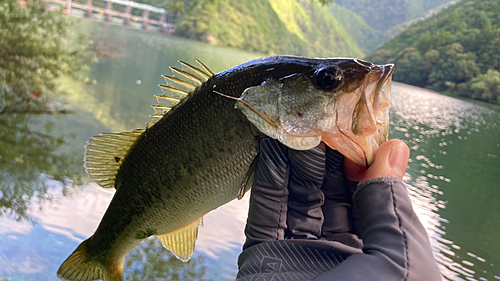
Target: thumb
x=391, y=160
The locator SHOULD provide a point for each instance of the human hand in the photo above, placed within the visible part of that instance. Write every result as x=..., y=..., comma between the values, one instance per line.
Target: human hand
x=305, y=194
x=391, y=160
x=299, y=195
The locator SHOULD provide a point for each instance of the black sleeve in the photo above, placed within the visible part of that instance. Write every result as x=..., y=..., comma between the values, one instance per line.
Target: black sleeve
x=396, y=246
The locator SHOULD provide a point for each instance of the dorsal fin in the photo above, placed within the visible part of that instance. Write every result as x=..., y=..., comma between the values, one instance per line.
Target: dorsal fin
x=180, y=85
x=105, y=153
x=205, y=68
x=195, y=71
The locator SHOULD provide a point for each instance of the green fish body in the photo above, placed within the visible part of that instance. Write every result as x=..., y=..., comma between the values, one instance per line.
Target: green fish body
x=197, y=155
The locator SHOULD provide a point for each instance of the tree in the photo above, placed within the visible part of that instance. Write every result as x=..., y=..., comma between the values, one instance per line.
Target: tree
x=455, y=66
x=35, y=50
x=486, y=86
x=381, y=56
x=411, y=67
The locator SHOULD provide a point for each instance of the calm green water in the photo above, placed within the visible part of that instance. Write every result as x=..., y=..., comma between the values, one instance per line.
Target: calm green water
x=453, y=177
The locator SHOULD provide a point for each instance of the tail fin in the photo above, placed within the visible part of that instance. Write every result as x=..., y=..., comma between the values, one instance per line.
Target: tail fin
x=79, y=267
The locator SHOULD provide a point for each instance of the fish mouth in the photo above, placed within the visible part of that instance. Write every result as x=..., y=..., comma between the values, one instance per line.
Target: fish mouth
x=362, y=117
x=354, y=122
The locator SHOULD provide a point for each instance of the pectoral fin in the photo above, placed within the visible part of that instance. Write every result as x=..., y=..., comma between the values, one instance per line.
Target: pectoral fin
x=181, y=242
x=246, y=185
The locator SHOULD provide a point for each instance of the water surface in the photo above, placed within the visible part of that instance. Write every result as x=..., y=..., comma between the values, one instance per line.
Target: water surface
x=453, y=176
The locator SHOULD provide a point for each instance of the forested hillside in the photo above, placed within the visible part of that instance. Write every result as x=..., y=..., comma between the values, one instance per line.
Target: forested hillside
x=294, y=27
x=300, y=27
x=372, y=22
x=455, y=51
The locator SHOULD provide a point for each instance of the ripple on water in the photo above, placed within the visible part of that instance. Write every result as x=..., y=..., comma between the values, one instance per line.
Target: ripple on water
x=438, y=130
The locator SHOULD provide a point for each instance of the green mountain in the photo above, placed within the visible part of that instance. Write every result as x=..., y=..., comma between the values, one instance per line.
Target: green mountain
x=362, y=33
x=372, y=22
x=454, y=51
x=292, y=27
x=383, y=14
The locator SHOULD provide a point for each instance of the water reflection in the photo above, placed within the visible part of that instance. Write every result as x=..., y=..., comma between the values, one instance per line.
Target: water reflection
x=27, y=161
x=452, y=178
x=149, y=261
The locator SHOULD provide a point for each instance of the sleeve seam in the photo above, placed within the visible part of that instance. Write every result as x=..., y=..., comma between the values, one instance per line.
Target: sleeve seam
x=407, y=262
x=387, y=180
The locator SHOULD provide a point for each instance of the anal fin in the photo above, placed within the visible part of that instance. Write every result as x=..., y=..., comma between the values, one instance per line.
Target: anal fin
x=182, y=241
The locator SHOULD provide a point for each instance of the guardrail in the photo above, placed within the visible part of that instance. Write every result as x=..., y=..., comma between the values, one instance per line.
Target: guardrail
x=125, y=18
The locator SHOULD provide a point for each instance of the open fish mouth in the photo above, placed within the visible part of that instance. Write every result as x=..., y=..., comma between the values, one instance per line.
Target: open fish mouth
x=345, y=105
x=362, y=117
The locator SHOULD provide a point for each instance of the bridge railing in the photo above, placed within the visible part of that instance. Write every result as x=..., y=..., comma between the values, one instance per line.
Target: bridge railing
x=107, y=14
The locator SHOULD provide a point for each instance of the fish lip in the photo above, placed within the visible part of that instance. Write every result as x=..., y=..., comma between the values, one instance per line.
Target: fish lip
x=364, y=63
x=388, y=70
x=383, y=72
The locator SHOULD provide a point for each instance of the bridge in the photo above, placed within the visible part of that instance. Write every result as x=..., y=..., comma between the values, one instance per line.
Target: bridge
x=124, y=17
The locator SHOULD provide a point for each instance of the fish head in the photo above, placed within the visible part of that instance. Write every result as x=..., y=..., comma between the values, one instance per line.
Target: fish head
x=362, y=113
x=342, y=102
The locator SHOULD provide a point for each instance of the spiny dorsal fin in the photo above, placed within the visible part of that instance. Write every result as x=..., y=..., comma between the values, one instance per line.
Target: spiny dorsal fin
x=180, y=85
x=195, y=71
x=181, y=242
x=104, y=155
x=205, y=68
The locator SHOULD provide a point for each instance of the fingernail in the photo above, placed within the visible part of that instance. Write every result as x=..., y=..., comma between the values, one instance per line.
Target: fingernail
x=398, y=157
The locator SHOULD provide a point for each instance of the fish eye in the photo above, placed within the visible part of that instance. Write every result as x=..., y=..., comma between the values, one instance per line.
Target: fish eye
x=328, y=79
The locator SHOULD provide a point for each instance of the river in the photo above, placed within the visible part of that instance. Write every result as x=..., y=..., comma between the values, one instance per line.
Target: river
x=453, y=177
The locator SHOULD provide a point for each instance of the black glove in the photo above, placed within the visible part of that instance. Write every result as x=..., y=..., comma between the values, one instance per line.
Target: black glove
x=299, y=195
x=304, y=225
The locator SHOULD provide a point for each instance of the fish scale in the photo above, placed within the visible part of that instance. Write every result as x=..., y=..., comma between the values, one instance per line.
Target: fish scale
x=196, y=155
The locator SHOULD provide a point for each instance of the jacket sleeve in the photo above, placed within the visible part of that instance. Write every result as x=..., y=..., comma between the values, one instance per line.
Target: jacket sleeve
x=395, y=244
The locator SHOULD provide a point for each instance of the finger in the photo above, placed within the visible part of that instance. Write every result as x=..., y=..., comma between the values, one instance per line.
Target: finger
x=268, y=200
x=391, y=160
x=307, y=171
x=353, y=171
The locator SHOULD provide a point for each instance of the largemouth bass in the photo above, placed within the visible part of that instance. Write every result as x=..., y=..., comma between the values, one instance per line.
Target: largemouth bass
x=198, y=152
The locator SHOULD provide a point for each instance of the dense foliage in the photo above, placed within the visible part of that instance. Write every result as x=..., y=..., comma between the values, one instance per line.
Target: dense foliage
x=296, y=27
x=384, y=14
x=455, y=51
x=368, y=23
x=34, y=52
x=372, y=22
